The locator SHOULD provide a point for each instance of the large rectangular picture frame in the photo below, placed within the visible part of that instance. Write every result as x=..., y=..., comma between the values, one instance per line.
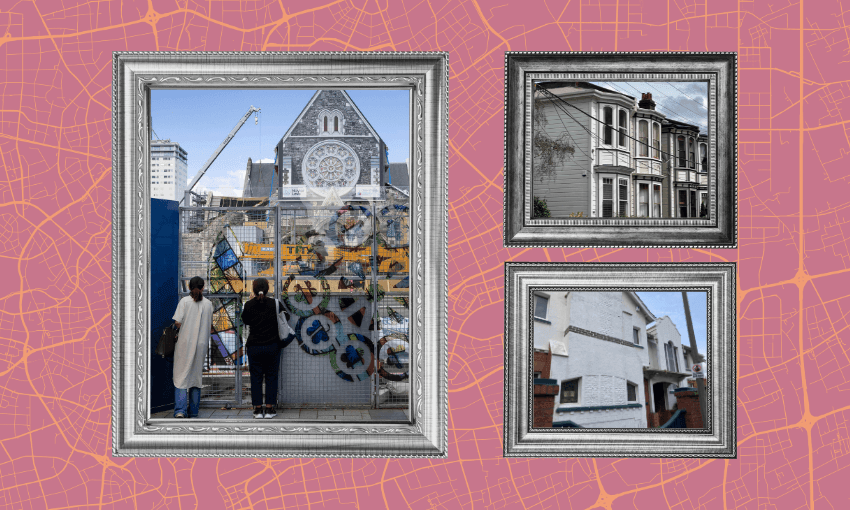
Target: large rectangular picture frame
x=718, y=440
x=718, y=231
x=425, y=74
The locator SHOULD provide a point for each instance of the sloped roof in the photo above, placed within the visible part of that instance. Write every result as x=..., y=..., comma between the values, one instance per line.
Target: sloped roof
x=552, y=85
x=398, y=175
x=260, y=179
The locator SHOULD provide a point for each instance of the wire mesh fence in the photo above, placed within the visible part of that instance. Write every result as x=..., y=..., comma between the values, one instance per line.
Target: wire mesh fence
x=343, y=275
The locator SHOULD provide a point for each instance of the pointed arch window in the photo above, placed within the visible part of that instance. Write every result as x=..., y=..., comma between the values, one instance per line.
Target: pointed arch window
x=336, y=123
x=326, y=124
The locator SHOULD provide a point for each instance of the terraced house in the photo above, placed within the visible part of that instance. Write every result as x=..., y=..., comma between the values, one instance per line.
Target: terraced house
x=627, y=159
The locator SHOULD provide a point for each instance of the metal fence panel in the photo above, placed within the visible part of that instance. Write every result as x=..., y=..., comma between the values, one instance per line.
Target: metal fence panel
x=343, y=273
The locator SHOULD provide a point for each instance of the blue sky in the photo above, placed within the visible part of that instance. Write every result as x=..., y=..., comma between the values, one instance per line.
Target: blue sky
x=684, y=101
x=671, y=305
x=199, y=120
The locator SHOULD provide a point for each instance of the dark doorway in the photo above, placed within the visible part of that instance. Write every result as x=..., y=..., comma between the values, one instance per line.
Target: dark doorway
x=659, y=397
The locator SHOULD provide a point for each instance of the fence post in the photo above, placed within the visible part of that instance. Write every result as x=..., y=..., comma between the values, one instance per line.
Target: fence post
x=376, y=331
x=277, y=279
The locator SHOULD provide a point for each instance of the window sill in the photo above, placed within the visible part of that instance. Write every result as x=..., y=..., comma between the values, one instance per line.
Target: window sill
x=538, y=319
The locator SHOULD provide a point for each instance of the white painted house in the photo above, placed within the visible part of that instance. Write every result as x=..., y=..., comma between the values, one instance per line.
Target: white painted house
x=599, y=349
x=604, y=357
x=668, y=367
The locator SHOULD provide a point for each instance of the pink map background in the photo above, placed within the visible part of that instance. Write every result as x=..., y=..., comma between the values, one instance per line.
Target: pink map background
x=794, y=283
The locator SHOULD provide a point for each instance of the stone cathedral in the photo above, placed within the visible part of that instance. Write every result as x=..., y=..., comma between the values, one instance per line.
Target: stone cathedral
x=330, y=148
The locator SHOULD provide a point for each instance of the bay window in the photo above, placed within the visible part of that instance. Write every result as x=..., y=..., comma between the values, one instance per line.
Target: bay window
x=703, y=160
x=643, y=135
x=614, y=196
x=683, y=159
x=608, y=118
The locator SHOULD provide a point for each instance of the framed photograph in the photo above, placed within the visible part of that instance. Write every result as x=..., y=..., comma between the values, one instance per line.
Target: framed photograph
x=311, y=186
x=621, y=149
x=620, y=360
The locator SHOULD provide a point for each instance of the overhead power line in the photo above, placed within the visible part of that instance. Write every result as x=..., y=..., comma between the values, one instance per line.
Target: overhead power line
x=550, y=94
x=699, y=115
x=661, y=104
x=689, y=97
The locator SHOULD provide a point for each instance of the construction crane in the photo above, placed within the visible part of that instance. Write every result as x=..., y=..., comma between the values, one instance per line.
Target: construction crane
x=221, y=148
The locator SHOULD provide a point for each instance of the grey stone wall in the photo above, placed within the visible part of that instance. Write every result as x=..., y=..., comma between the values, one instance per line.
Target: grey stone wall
x=357, y=136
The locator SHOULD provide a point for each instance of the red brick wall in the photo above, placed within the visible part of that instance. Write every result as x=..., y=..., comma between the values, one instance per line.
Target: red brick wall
x=690, y=403
x=544, y=404
x=543, y=363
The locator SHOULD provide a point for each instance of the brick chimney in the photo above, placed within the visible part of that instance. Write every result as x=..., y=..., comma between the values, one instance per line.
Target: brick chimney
x=646, y=101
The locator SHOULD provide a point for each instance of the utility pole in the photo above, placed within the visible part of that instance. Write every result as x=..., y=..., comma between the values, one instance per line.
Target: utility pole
x=698, y=358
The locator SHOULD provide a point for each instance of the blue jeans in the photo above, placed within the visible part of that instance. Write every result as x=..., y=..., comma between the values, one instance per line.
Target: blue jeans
x=190, y=398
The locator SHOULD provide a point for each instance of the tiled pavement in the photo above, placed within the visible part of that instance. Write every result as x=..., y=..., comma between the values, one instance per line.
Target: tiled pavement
x=299, y=414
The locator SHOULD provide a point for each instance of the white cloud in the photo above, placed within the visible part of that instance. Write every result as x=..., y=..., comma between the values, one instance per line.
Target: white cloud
x=228, y=185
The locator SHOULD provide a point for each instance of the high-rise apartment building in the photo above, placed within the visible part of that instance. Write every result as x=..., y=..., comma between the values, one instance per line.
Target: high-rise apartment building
x=168, y=170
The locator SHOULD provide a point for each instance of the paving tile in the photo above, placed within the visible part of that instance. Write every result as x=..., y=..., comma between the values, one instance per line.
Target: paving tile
x=309, y=414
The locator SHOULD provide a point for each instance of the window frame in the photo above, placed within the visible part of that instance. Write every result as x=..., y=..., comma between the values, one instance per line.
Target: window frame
x=656, y=140
x=681, y=150
x=561, y=397
x=620, y=201
x=608, y=123
x=656, y=204
x=648, y=202
x=546, y=314
x=691, y=156
x=630, y=386
x=644, y=138
x=622, y=127
x=636, y=335
x=602, y=198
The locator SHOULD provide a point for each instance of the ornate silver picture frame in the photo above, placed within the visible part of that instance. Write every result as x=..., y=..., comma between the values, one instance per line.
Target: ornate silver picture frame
x=529, y=76
x=716, y=440
x=134, y=432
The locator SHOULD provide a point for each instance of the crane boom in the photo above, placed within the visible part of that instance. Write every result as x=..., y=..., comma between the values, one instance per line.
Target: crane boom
x=221, y=147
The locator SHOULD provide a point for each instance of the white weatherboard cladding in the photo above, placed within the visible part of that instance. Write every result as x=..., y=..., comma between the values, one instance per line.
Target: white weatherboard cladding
x=566, y=192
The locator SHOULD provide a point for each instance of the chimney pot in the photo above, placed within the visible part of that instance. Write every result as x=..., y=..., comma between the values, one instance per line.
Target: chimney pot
x=646, y=101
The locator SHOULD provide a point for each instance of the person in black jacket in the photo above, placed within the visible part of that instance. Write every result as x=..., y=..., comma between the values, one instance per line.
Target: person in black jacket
x=263, y=345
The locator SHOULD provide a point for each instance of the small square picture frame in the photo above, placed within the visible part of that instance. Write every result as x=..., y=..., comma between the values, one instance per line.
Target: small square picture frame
x=717, y=440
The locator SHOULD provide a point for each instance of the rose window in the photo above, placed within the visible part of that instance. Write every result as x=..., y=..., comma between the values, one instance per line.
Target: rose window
x=331, y=164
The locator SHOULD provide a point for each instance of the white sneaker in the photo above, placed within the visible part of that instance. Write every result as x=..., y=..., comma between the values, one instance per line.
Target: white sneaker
x=269, y=412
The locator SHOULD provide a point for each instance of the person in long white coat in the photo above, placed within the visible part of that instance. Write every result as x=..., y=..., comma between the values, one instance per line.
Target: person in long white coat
x=194, y=318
